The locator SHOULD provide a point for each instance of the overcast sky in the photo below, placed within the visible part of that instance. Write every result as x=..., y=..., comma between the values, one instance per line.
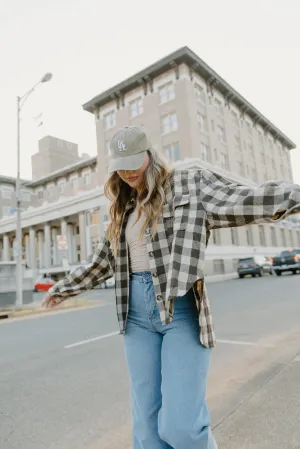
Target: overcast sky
x=90, y=45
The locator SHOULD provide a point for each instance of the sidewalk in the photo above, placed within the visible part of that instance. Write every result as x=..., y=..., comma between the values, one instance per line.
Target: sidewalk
x=270, y=419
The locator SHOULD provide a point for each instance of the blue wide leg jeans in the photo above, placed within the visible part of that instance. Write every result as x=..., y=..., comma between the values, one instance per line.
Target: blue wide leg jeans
x=168, y=371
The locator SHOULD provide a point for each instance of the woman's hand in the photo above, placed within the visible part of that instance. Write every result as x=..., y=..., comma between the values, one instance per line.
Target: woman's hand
x=49, y=301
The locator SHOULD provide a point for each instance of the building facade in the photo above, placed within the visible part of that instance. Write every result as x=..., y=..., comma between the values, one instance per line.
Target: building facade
x=198, y=121
x=53, y=154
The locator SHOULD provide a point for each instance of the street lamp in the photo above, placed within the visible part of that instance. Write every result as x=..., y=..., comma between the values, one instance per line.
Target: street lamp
x=19, y=275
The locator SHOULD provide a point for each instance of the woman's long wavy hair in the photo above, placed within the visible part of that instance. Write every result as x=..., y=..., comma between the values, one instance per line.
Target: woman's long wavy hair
x=150, y=200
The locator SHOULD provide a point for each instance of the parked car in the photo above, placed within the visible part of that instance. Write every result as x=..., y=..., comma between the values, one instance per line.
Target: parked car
x=287, y=261
x=109, y=283
x=254, y=266
x=43, y=284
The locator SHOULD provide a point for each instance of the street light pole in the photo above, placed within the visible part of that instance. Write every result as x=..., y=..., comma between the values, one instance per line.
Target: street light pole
x=19, y=247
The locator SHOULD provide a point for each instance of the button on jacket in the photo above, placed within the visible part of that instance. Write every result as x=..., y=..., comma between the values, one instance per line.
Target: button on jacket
x=197, y=201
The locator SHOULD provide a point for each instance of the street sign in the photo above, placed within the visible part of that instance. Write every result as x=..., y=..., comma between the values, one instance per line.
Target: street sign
x=62, y=243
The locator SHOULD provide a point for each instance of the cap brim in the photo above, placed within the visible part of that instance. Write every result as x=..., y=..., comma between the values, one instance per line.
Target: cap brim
x=133, y=162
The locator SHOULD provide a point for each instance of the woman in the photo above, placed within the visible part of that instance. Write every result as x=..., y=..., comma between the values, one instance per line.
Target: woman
x=160, y=221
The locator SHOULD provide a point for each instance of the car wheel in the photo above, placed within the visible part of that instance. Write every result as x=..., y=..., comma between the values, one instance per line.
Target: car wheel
x=260, y=273
x=241, y=276
x=278, y=273
x=294, y=271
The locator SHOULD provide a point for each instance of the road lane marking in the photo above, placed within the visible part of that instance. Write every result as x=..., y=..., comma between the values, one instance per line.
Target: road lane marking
x=112, y=334
x=245, y=343
x=91, y=340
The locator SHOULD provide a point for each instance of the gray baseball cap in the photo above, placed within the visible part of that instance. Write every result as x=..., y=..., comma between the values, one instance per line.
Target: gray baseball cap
x=128, y=148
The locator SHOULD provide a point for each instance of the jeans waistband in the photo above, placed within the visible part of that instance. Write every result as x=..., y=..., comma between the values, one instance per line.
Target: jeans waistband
x=143, y=276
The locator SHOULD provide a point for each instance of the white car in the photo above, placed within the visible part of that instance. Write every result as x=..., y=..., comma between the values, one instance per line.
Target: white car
x=109, y=283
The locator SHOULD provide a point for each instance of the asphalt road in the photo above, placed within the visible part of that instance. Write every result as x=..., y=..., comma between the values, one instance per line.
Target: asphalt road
x=63, y=387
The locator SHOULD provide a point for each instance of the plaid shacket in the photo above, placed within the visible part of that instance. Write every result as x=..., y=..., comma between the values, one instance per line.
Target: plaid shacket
x=197, y=201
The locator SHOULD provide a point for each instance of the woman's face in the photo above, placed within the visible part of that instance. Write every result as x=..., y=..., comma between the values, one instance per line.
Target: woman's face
x=135, y=178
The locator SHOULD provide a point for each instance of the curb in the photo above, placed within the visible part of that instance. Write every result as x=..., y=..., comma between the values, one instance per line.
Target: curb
x=15, y=313
x=221, y=277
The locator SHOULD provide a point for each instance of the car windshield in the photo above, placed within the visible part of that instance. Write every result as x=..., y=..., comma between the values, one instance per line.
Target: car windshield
x=287, y=253
x=248, y=260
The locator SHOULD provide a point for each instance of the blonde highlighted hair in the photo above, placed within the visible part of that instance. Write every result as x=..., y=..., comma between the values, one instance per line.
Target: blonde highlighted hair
x=150, y=200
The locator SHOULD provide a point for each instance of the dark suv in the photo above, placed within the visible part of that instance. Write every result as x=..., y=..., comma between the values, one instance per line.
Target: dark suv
x=254, y=266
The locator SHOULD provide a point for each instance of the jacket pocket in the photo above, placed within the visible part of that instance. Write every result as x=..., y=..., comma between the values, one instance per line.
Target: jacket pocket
x=181, y=212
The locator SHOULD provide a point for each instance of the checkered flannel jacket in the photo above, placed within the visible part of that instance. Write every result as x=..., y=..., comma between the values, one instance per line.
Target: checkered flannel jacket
x=196, y=203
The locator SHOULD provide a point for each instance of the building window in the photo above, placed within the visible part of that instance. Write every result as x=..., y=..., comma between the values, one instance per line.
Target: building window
x=254, y=174
x=6, y=211
x=6, y=193
x=136, y=107
x=109, y=120
x=273, y=164
x=169, y=123
x=263, y=157
x=234, y=236
x=291, y=238
x=273, y=237
x=262, y=237
x=235, y=118
x=283, y=239
x=172, y=152
x=40, y=194
x=249, y=236
x=200, y=93
x=105, y=214
x=270, y=143
x=237, y=142
x=87, y=179
x=205, y=152
x=74, y=182
x=219, y=106
x=92, y=218
x=298, y=237
x=61, y=187
x=50, y=190
x=216, y=235
x=212, y=125
x=224, y=161
x=219, y=267
x=241, y=168
x=202, y=122
x=260, y=137
x=248, y=127
x=249, y=148
x=26, y=196
x=166, y=92
x=221, y=134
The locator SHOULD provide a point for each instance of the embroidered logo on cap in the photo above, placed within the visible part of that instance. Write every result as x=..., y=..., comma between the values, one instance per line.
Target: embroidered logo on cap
x=121, y=145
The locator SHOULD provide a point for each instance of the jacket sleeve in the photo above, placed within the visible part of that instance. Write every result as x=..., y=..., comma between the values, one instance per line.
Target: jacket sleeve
x=86, y=277
x=228, y=204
